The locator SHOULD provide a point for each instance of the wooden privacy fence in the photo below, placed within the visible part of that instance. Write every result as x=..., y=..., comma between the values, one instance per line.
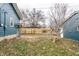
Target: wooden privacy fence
x=46, y=31
x=34, y=30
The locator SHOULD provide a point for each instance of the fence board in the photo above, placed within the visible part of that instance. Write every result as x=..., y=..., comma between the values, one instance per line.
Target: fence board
x=34, y=30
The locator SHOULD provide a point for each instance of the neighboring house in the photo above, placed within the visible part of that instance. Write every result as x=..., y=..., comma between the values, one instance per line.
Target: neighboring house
x=71, y=27
x=9, y=17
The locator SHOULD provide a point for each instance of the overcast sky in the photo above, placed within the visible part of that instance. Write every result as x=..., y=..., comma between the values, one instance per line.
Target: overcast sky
x=44, y=5
x=40, y=3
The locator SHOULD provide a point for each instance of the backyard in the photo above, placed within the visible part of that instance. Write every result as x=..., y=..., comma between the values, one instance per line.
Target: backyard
x=42, y=47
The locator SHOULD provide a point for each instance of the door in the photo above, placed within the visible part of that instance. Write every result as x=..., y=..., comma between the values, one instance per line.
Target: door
x=1, y=24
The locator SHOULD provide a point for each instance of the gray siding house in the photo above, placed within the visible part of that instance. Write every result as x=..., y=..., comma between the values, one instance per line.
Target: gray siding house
x=71, y=27
x=9, y=17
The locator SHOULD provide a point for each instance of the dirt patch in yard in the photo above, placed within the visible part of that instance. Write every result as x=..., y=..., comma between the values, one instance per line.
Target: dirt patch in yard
x=34, y=38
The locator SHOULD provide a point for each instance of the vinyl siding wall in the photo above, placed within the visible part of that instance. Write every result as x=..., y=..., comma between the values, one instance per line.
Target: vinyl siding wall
x=70, y=28
x=10, y=13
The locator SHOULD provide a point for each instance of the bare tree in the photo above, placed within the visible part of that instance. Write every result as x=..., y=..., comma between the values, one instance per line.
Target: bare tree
x=34, y=17
x=58, y=14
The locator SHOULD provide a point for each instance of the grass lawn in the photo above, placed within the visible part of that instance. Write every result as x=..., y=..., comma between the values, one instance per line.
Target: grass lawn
x=22, y=47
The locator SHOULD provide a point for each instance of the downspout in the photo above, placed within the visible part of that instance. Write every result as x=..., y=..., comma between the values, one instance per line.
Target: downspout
x=4, y=22
x=0, y=17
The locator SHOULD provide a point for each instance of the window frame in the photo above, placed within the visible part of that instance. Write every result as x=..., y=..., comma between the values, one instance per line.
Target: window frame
x=78, y=28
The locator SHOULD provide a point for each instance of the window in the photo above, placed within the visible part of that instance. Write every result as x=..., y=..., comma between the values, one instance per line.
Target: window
x=11, y=22
x=77, y=28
